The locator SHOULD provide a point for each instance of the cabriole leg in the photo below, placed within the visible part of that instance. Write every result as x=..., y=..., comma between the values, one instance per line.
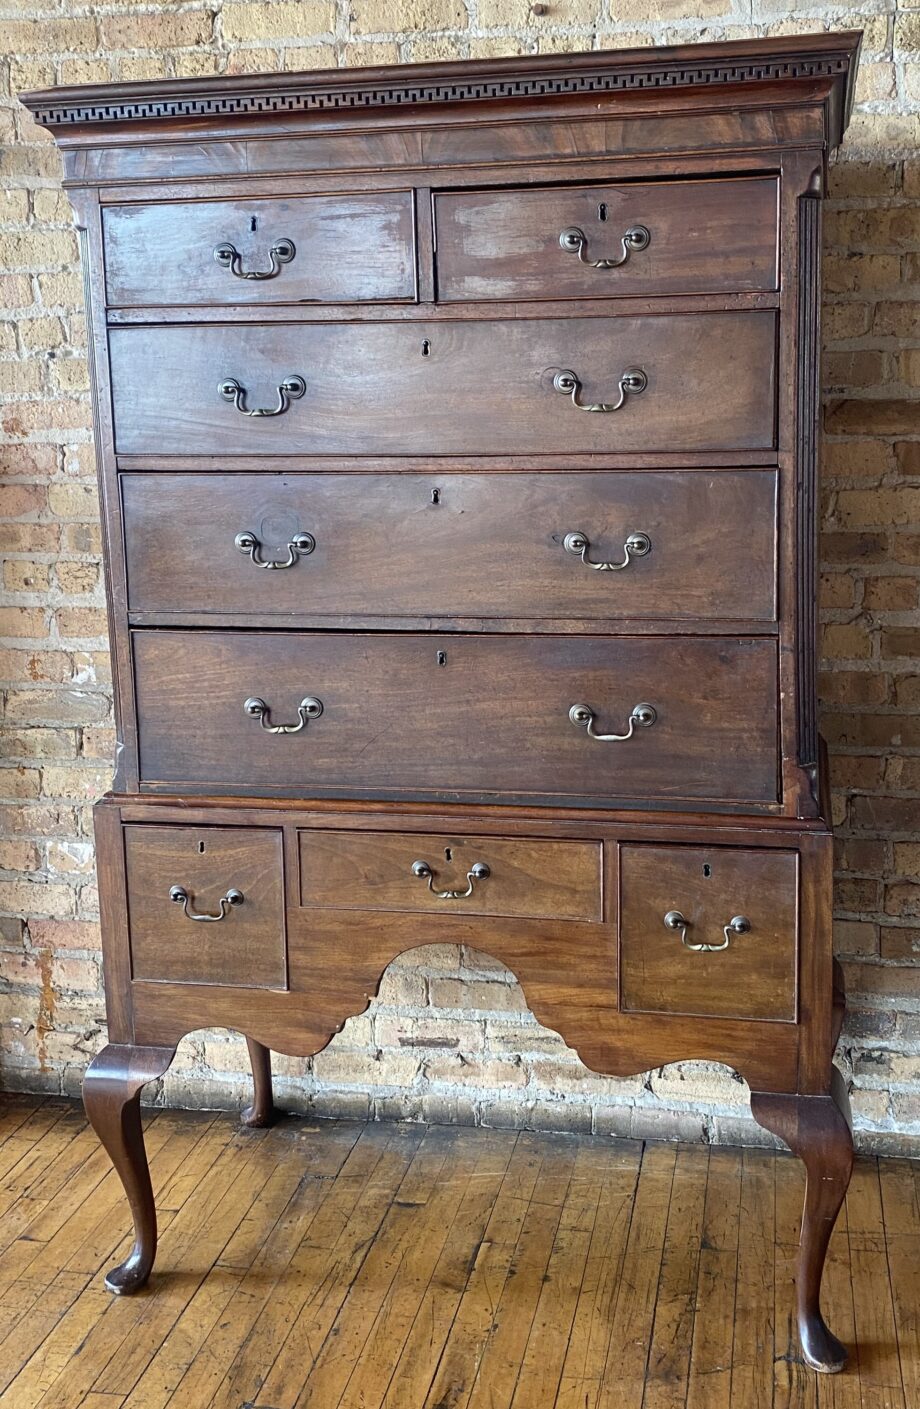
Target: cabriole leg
x=818, y=1130
x=112, y=1097
x=262, y=1110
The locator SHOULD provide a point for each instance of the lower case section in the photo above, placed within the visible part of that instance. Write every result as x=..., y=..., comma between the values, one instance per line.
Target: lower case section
x=641, y=940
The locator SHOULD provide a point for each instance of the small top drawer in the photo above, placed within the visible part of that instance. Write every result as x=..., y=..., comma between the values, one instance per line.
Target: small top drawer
x=306, y=249
x=656, y=237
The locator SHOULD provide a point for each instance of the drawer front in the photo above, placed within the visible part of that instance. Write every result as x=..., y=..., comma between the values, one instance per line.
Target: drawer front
x=689, y=544
x=459, y=715
x=519, y=877
x=478, y=388
x=179, y=876
x=656, y=237
x=314, y=249
x=744, y=904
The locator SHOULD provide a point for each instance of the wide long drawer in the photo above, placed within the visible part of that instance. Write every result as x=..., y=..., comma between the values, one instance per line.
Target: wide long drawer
x=679, y=544
x=342, y=248
x=458, y=716
x=693, y=382
x=601, y=241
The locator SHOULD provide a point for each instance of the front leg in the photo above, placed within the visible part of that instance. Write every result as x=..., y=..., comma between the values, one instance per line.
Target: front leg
x=819, y=1131
x=112, y=1097
x=262, y=1110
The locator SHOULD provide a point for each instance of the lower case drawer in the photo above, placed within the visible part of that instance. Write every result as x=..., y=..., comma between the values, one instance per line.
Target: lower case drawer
x=206, y=905
x=451, y=874
x=530, y=718
x=708, y=931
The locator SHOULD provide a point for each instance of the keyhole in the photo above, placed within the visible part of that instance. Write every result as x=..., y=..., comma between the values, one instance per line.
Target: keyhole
x=707, y=870
x=426, y=348
x=448, y=856
x=602, y=211
x=442, y=657
x=252, y=223
x=200, y=848
x=436, y=496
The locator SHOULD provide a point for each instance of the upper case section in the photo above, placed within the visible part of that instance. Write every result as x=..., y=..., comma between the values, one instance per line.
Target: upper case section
x=747, y=94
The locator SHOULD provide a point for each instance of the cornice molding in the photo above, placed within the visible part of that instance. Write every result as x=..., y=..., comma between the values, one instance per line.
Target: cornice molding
x=804, y=57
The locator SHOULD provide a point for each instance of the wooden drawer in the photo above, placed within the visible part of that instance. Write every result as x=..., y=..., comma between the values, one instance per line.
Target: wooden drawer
x=470, y=387
x=458, y=715
x=212, y=866
x=687, y=237
x=328, y=249
x=503, y=876
x=750, y=972
x=498, y=545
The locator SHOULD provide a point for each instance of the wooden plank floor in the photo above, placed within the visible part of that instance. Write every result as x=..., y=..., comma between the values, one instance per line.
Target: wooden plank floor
x=347, y=1266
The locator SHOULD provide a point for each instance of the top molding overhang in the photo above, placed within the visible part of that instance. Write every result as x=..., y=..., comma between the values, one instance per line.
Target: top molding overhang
x=829, y=57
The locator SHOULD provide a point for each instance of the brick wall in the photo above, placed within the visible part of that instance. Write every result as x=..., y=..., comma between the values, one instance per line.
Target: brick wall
x=449, y=1037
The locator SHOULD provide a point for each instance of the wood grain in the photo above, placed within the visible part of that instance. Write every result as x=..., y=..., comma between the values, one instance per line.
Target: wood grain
x=704, y=236
x=495, y=720
x=482, y=388
x=454, y=545
x=354, y=247
x=754, y=976
x=373, y=871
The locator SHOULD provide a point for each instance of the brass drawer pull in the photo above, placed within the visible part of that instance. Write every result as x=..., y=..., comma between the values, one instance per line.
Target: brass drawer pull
x=309, y=708
x=578, y=544
x=632, y=383
x=643, y=717
x=181, y=897
x=291, y=389
x=229, y=257
x=477, y=872
x=739, y=924
x=574, y=241
x=300, y=545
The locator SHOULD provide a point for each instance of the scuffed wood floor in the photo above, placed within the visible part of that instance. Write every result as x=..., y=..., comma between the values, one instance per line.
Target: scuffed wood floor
x=345, y=1266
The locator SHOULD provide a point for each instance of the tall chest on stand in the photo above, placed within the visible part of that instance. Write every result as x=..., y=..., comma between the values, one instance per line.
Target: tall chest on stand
x=457, y=436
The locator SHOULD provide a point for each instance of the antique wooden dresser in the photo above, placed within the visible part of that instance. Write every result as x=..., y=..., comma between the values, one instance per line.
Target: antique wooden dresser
x=457, y=430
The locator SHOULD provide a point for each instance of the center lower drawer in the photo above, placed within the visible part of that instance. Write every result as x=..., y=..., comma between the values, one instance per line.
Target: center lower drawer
x=513, y=876
x=512, y=387
x=458, y=716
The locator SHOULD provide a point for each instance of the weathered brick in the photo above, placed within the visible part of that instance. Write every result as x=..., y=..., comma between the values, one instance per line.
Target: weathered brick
x=286, y=19
x=20, y=575
x=401, y=16
x=160, y=29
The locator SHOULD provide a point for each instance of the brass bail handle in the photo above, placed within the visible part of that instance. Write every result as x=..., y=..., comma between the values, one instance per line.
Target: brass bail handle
x=291, y=389
x=180, y=896
x=479, y=871
x=575, y=241
x=579, y=545
x=300, y=546
x=643, y=716
x=738, y=924
x=309, y=708
x=632, y=383
x=228, y=257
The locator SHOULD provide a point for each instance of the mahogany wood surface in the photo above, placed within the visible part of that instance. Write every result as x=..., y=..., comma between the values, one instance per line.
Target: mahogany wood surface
x=344, y=248
x=505, y=244
x=373, y=871
x=462, y=715
x=754, y=976
x=438, y=464
x=480, y=388
x=245, y=944
x=427, y=545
